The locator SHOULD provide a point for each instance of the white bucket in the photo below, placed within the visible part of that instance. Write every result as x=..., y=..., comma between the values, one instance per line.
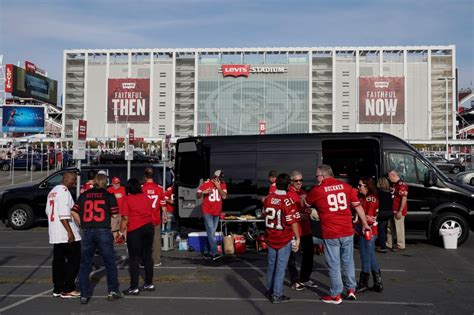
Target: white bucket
x=450, y=237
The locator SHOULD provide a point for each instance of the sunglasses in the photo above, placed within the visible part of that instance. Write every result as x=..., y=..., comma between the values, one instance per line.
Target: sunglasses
x=361, y=185
x=297, y=180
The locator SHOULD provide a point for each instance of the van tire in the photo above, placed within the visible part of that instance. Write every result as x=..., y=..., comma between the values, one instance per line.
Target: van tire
x=21, y=217
x=449, y=219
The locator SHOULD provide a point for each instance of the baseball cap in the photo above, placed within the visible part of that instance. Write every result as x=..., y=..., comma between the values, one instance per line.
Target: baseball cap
x=115, y=180
x=219, y=173
x=102, y=172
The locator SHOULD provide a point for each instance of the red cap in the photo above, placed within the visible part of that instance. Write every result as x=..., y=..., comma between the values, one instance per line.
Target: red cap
x=115, y=180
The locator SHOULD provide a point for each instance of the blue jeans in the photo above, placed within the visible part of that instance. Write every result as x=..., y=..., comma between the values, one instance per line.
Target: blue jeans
x=102, y=239
x=339, y=253
x=367, y=254
x=277, y=263
x=382, y=229
x=211, y=222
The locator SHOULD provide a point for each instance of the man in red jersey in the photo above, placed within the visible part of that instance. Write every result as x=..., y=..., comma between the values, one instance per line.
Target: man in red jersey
x=272, y=176
x=396, y=224
x=333, y=200
x=119, y=192
x=281, y=226
x=297, y=194
x=212, y=191
x=157, y=195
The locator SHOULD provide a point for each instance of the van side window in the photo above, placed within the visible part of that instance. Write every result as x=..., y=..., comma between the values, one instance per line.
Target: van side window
x=189, y=169
x=404, y=164
x=422, y=170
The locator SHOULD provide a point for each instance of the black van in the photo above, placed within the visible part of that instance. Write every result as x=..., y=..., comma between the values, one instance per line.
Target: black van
x=22, y=205
x=434, y=200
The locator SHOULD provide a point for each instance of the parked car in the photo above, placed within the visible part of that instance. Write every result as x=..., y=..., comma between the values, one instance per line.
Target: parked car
x=23, y=161
x=22, y=205
x=453, y=166
x=465, y=178
x=119, y=158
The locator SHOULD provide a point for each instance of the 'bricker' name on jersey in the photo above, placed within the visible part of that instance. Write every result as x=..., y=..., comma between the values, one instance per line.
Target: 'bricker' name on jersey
x=333, y=200
x=280, y=213
x=96, y=207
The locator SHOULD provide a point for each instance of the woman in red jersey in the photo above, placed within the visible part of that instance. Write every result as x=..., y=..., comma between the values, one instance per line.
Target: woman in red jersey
x=369, y=201
x=137, y=222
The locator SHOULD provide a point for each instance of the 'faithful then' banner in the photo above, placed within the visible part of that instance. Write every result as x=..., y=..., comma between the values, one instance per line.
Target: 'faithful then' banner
x=382, y=100
x=128, y=100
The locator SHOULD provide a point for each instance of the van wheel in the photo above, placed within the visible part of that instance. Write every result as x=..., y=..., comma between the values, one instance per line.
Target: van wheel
x=449, y=220
x=21, y=217
x=456, y=170
x=471, y=182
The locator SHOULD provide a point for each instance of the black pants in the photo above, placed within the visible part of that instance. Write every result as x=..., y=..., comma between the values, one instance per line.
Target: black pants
x=307, y=259
x=140, y=248
x=66, y=261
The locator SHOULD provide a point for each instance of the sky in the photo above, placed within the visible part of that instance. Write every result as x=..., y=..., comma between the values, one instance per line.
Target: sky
x=40, y=30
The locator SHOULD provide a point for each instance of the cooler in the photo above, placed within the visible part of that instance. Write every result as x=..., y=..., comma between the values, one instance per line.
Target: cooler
x=198, y=240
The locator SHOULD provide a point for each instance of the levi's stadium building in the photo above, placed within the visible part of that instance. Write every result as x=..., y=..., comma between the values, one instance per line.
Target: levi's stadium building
x=236, y=91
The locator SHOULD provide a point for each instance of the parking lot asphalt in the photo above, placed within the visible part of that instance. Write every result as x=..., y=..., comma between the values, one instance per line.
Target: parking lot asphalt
x=423, y=279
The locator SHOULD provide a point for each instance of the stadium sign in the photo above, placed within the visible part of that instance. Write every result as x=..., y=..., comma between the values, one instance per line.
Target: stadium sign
x=245, y=70
x=128, y=100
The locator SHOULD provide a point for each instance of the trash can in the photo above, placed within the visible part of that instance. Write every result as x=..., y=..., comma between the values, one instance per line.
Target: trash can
x=450, y=237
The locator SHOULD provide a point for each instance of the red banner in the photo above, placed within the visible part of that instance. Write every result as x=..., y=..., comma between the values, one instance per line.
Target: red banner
x=131, y=135
x=262, y=127
x=236, y=70
x=128, y=100
x=30, y=67
x=382, y=100
x=82, y=130
x=8, y=78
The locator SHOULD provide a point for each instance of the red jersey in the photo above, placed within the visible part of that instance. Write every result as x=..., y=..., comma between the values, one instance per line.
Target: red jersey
x=118, y=193
x=157, y=195
x=86, y=187
x=304, y=223
x=169, y=195
x=399, y=190
x=279, y=212
x=333, y=200
x=138, y=209
x=212, y=202
x=370, y=203
x=272, y=188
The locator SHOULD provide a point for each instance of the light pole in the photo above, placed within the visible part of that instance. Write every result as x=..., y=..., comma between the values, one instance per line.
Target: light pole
x=446, y=79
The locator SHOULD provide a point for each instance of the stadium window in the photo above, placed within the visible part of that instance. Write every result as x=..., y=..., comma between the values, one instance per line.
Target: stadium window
x=162, y=94
x=162, y=85
x=162, y=115
x=162, y=74
x=162, y=104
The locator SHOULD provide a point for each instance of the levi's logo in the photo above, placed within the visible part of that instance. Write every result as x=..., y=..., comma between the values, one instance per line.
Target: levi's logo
x=381, y=84
x=236, y=70
x=128, y=85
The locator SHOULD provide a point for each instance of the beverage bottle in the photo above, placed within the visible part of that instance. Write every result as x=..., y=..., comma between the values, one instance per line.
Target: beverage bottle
x=368, y=235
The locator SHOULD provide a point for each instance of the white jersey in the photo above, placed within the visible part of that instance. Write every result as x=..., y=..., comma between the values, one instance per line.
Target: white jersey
x=58, y=207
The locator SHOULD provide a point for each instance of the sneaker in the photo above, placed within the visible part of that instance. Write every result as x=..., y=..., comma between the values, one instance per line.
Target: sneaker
x=309, y=284
x=85, y=300
x=268, y=295
x=280, y=299
x=55, y=294
x=147, y=287
x=157, y=265
x=298, y=286
x=351, y=295
x=131, y=291
x=114, y=296
x=381, y=250
x=206, y=255
x=70, y=295
x=332, y=299
x=216, y=257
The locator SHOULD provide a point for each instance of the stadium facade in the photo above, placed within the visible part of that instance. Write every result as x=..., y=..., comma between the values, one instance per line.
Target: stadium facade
x=231, y=91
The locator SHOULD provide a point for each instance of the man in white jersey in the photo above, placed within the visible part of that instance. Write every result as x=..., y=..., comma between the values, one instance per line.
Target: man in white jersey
x=65, y=237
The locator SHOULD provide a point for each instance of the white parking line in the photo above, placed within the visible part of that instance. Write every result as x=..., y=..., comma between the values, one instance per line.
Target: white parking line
x=29, y=298
x=203, y=298
x=190, y=267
